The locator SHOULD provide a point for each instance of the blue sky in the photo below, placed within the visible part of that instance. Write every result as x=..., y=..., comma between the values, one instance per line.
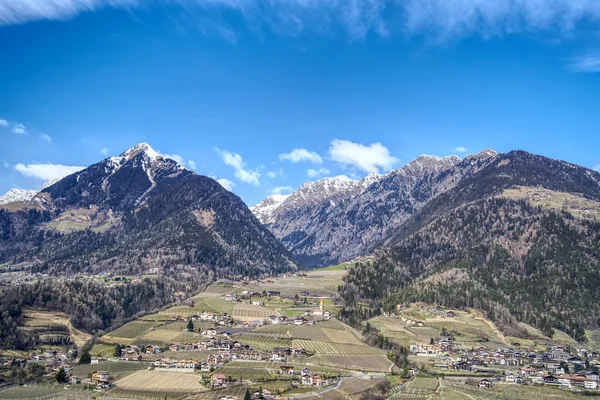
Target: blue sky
x=269, y=94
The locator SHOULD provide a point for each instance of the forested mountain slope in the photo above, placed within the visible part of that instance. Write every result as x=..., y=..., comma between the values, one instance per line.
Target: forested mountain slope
x=474, y=246
x=137, y=211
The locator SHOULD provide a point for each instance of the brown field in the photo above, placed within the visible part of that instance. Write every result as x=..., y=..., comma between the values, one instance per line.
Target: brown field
x=342, y=336
x=317, y=282
x=371, y=363
x=353, y=386
x=578, y=206
x=328, y=348
x=162, y=335
x=38, y=319
x=83, y=218
x=308, y=332
x=157, y=380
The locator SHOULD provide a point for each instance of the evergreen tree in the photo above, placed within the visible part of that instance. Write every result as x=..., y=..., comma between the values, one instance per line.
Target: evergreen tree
x=247, y=396
x=61, y=376
x=190, y=325
x=118, y=350
x=85, y=358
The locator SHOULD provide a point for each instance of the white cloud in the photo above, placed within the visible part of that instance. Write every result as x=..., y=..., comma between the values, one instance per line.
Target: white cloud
x=281, y=189
x=226, y=183
x=192, y=164
x=460, y=149
x=272, y=174
x=597, y=168
x=3, y=122
x=47, y=138
x=589, y=62
x=298, y=155
x=175, y=157
x=357, y=18
x=371, y=158
x=5, y=164
x=47, y=172
x=314, y=173
x=235, y=160
x=104, y=151
x=19, y=128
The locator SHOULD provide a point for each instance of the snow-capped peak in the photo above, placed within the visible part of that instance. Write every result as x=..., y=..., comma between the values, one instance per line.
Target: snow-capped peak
x=139, y=148
x=17, y=195
x=265, y=209
x=49, y=183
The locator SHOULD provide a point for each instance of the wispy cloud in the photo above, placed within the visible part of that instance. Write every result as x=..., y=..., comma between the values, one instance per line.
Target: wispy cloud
x=175, y=157
x=298, y=155
x=460, y=149
x=597, y=168
x=589, y=62
x=357, y=18
x=315, y=173
x=47, y=172
x=281, y=189
x=241, y=172
x=192, y=164
x=16, y=127
x=19, y=129
x=104, y=151
x=371, y=158
x=45, y=137
x=226, y=183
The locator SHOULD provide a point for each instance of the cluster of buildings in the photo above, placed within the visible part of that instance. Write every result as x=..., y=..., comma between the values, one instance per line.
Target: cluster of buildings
x=519, y=366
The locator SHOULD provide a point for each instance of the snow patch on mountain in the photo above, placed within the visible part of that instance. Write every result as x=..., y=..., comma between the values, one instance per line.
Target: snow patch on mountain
x=14, y=195
x=265, y=209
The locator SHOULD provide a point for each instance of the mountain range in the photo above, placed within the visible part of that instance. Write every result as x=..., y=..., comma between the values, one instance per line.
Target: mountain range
x=514, y=234
x=337, y=219
x=137, y=211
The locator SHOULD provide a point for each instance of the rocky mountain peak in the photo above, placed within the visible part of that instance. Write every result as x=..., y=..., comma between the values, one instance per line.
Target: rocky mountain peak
x=265, y=209
x=17, y=195
x=140, y=148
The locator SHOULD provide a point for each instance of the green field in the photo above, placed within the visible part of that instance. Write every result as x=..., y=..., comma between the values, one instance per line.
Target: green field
x=116, y=370
x=339, y=267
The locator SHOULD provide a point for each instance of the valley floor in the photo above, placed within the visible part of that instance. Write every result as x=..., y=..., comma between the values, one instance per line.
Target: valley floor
x=280, y=337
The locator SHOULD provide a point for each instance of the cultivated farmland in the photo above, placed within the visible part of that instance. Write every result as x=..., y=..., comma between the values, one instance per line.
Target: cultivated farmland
x=249, y=312
x=132, y=330
x=161, y=381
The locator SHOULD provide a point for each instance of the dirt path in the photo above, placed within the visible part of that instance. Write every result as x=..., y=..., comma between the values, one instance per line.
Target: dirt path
x=454, y=390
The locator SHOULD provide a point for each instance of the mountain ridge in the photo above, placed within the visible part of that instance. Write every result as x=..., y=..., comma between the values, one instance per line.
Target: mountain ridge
x=334, y=228
x=136, y=211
